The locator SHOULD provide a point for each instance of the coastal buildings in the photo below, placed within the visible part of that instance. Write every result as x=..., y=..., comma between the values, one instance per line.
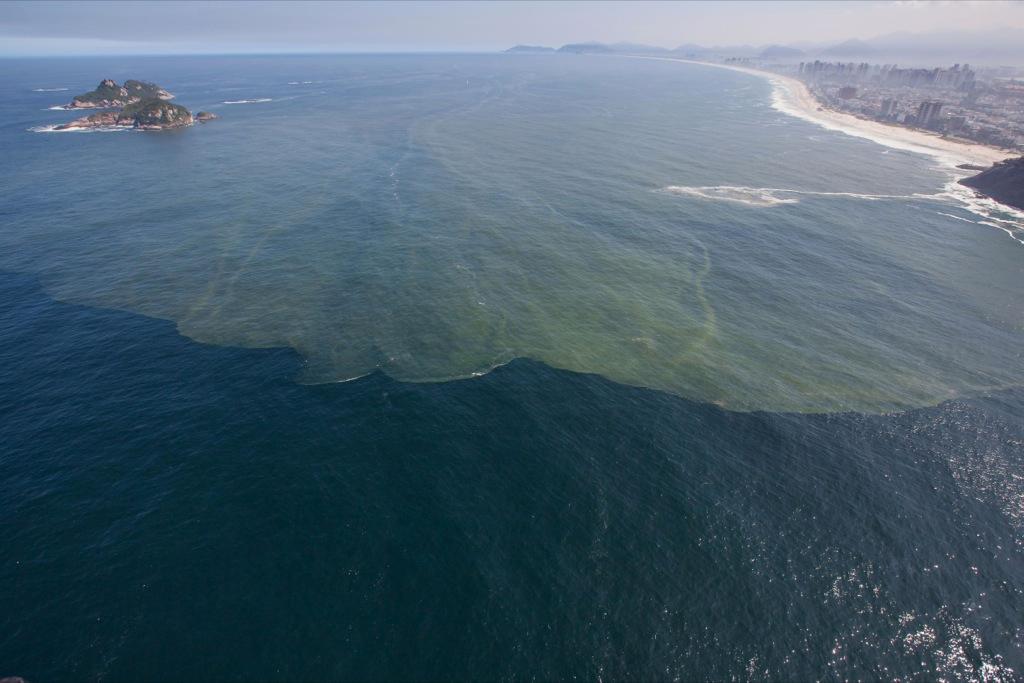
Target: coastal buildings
x=928, y=114
x=888, y=109
x=984, y=105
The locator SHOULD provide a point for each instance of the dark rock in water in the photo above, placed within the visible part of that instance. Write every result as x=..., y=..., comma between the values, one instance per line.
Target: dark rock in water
x=105, y=119
x=158, y=115
x=1004, y=182
x=205, y=116
x=973, y=167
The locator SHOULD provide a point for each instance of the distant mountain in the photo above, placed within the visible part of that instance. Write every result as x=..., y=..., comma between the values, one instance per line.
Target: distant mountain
x=691, y=49
x=998, y=46
x=850, y=48
x=530, y=48
x=636, y=48
x=780, y=52
x=586, y=48
x=1003, y=46
x=604, y=48
x=702, y=51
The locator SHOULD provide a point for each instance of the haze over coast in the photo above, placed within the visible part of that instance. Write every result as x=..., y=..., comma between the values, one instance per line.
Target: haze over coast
x=793, y=97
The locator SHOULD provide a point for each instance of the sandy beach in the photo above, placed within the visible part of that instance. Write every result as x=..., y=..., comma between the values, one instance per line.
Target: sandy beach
x=792, y=97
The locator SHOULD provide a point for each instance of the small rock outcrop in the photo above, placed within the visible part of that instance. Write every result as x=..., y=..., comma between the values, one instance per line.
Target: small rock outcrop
x=1003, y=182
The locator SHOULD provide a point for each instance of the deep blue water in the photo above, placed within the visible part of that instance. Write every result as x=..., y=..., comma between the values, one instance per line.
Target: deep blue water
x=774, y=438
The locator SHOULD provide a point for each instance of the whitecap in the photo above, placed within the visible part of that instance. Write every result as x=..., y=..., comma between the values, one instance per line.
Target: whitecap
x=48, y=89
x=992, y=213
x=253, y=101
x=751, y=196
x=772, y=196
x=55, y=129
x=959, y=218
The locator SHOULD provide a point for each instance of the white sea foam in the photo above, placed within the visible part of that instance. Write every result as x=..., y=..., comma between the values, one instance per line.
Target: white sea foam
x=773, y=196
x=48, y=89
x=992, y=213
x=751, y=196
x=959, y=218
x=58, y=107
x=253, y=101
x=792, y=97
x=101, y=129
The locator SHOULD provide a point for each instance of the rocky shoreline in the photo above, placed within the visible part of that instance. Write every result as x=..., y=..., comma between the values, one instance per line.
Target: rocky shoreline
x=1003, y=182
x=139, y=104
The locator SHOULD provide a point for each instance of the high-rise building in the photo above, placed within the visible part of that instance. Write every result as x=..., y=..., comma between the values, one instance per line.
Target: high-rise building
x=928, y=114
x=888, y=110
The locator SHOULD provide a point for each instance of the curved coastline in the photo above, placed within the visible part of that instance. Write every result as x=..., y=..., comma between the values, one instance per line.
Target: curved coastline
x=792, y=97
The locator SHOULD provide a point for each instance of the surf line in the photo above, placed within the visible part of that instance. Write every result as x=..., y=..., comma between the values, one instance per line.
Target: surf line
x=790, y=96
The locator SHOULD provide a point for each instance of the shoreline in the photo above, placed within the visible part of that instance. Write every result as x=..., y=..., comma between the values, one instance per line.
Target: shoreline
x=791, y=96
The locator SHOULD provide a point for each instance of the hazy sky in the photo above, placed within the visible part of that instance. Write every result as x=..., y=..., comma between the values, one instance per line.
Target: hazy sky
x=45, y=28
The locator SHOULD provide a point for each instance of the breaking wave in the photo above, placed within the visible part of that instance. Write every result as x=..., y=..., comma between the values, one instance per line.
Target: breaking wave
x=253, y=101
x=48, y=89
x=54, y=129
x=751, y=196
x=770, y=196
x=992, y=213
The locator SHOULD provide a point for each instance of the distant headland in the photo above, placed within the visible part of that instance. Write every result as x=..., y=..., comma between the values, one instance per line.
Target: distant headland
x=136, y=104
x=530, y=48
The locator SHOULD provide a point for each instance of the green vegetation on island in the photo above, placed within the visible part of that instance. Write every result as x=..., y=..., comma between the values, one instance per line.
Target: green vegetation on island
x=156, y=114
x=108, y=95
x=138, y=104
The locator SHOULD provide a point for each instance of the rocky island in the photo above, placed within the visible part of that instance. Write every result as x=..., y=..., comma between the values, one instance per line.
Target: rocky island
x=1003, y=182
x=138, y=104
x=108, y=95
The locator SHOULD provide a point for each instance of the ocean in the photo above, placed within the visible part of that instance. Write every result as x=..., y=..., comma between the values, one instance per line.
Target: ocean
x=431, y=367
